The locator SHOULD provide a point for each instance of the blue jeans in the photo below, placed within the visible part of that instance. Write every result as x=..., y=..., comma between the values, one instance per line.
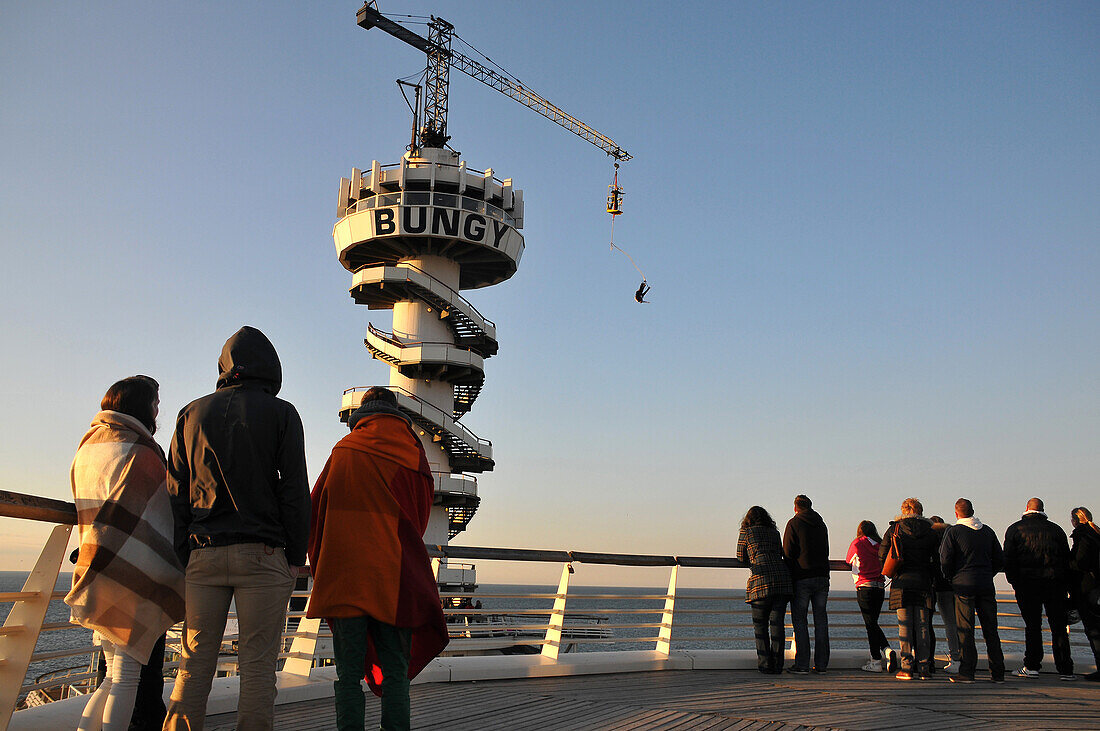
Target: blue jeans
x=945, y=605
x=985, y=606
x=814, y=590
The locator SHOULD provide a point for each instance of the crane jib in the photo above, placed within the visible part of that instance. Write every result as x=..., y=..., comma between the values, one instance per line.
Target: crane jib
x=442, y=58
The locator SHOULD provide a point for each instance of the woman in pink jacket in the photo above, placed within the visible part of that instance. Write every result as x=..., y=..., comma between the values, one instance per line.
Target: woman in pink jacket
x=870, y=593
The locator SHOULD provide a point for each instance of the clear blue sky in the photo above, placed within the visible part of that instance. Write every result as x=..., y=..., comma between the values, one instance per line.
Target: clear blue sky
x=872, y=232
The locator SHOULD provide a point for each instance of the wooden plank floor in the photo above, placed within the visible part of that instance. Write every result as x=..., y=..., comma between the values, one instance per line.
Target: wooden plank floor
x=725, y=699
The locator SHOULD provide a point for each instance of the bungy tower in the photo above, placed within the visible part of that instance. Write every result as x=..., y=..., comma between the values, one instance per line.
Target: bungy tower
x=413, y=235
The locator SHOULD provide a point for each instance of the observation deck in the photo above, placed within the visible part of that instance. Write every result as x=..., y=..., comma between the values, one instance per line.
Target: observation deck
x=431, y=206
x=680, y=658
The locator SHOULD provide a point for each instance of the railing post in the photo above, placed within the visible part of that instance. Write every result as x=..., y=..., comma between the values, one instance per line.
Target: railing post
x=664, y=639
x=557, y=616
x=26, y=618
x=303, y=649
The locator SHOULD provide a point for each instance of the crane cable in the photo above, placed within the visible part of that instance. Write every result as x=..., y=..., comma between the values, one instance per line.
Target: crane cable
x=614, y=207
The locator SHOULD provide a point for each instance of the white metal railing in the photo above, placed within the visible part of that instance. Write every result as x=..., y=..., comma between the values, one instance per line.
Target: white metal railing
x=407, y=272
x=416, y=198
x=417, y=406
x=570, y=618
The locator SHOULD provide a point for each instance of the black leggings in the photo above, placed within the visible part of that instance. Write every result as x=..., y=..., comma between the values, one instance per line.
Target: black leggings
x=870, y=606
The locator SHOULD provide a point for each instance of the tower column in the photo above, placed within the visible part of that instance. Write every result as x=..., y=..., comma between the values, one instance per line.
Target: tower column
x=414, y=235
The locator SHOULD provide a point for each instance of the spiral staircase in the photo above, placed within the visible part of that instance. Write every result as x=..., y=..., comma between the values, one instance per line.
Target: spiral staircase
x=413, y=234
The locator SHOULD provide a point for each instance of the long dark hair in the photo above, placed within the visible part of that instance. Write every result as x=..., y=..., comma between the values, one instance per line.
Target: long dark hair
x=134, y=396
x=757, y=516
x=867, y=528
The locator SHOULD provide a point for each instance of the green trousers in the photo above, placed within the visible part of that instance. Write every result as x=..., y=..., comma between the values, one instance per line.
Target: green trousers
x=392, y=644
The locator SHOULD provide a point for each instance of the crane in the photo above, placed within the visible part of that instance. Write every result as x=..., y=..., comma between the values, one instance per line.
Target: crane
x=442, y=57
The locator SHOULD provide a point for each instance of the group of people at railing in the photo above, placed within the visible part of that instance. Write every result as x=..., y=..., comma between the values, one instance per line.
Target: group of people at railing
x=928, y=565
x=227, y=516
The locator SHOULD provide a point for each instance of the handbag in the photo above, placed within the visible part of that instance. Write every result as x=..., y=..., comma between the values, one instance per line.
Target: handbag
x=891, y=567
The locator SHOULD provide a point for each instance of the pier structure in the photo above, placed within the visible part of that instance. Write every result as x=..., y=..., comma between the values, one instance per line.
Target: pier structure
x=413, y=235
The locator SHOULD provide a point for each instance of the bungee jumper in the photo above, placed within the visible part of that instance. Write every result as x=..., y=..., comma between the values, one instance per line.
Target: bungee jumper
x=615, y=208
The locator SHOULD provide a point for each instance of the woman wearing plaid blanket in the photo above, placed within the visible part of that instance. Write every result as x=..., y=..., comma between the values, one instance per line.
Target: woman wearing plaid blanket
x=127, y=584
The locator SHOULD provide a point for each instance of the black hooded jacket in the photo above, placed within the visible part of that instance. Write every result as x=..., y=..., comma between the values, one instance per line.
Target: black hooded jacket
x=1084, y=560
x=917, y=542
x=237, y=466
x=970, y=558
x=1036, y=550
x=806, y=545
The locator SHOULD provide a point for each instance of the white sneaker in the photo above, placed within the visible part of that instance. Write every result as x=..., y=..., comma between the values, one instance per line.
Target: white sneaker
x=873, y=666
x=951, y=668
x=891, y=660
x=1025, y=673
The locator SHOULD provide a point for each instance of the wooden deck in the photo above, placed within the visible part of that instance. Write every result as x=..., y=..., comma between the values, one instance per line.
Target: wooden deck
x=726, y=699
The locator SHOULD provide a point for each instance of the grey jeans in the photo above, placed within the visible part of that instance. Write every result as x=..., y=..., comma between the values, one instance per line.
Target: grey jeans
x=259, y=580
x=914, y=625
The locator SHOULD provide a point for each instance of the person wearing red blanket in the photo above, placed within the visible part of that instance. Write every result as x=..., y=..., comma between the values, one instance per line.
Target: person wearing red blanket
x=372, y=578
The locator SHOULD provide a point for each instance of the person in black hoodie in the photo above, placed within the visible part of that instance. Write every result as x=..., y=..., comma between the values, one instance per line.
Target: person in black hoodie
x=1037, y=565
x=1085, y=579
x=806, y=548
x=970, y=556
x=912, y=541
x=240, y=496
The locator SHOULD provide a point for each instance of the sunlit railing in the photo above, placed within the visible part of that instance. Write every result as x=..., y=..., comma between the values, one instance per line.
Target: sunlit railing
x=419, y=407
x=452, y=294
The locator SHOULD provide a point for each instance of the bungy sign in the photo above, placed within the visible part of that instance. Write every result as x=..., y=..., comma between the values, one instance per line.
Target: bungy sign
x=468, y=226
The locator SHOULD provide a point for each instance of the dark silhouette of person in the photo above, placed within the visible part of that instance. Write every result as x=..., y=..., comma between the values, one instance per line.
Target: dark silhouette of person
x=639, y=296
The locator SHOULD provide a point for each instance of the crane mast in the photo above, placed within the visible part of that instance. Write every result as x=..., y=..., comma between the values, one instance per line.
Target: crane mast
x=441, y=57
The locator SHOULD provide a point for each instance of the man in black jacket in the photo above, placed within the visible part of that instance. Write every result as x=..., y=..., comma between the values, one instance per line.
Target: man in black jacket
x=237, y=481
x=806, y=548
x=970, y=556
x=1036, y=564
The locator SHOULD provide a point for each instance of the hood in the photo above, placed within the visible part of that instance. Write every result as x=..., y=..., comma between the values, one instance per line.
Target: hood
x=915, y=526
x=385, y=436
x=972, y=523
x=249, y=356
x=809, y=516
x=368, y=408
